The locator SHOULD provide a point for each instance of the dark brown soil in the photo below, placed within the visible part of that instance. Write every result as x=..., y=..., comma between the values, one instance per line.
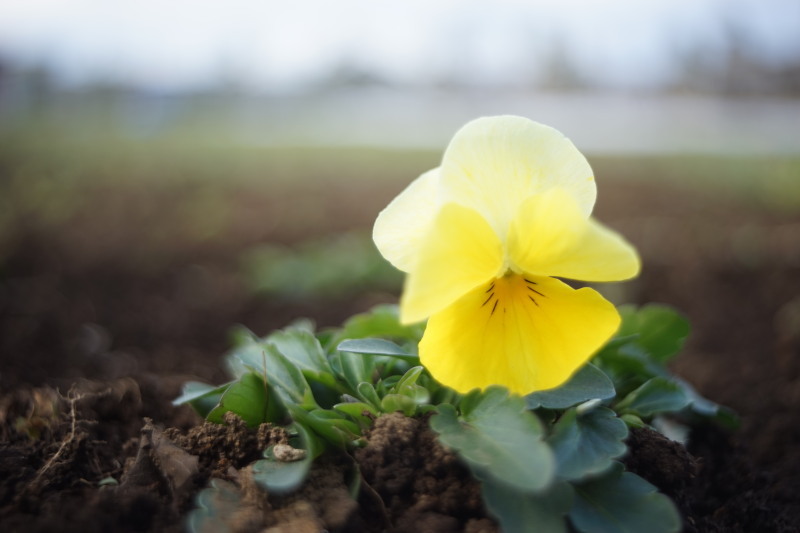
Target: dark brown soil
x=99, y=328
x=422, y=485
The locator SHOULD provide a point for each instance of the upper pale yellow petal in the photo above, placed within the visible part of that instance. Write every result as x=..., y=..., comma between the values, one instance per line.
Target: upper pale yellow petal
x=526, y=334
x=551, y=236
x=495, y=163
x=460, y=251
x=401, y=227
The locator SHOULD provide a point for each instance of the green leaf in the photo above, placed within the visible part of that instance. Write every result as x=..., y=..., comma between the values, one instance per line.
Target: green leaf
x=587, y=444
x=194, y=389
x=622, y=502
x=246, y=397
x=303, y=349
x=330, y=425
x=302, y=324
x=657, y=395
x=240, y=335
x=375, y=347
x=500, y=440
x=380, y=321
x=469, y=401
x=203, y=398
x=409, y=378
x=215, y=505
x=628, y=365
x=417, y=393
x=707, y=408
x=249, y=356
x=407, y=386
x=398, y=402
x=632, y=421
x=587, y=384
x=357, y=410
x=280, y=477
x=366, y=391
x=296, y=345
x=289, y=382
x=519, y=512
x=661, y=330
x=353, y=368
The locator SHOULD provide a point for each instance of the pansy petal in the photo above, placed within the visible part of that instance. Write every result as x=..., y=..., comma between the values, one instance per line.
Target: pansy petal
x=550, y=236
x=459, y=252
x=494, y=163
x=401, y=227
x=527, y=334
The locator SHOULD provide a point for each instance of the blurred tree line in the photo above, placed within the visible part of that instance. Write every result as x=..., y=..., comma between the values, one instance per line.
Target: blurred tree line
x=736, y=66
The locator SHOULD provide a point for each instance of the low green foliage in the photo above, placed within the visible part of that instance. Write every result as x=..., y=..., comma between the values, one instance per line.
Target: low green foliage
x=520, y=512
x=654, y=396
x=588, y=383
x=548, y=459
x=281, y=477
x=325, y=268
x=585, y=443
x=499, y=439
x=621, y=502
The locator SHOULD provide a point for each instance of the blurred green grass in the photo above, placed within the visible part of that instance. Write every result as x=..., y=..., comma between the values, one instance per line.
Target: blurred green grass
x=77, y=158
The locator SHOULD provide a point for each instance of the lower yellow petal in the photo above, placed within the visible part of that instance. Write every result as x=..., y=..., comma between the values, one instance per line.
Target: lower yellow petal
x=460, y=251
x=526, y=333
x=550, y=236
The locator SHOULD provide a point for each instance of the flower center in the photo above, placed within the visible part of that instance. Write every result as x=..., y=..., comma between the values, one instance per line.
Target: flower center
x=511, y=291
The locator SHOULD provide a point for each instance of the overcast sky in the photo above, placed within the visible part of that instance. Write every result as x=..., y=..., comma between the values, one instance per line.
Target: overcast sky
x=176, y=44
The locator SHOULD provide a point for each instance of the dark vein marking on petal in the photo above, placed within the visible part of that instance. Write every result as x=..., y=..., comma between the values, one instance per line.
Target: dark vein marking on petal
x=537, y=292
x=487, y=300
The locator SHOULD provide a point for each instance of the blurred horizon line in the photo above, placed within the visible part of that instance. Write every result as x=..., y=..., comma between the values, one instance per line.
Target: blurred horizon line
x=415, y=118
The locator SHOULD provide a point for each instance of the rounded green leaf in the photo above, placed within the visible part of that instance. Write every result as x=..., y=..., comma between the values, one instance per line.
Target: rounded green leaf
x=622, y=502
x=500, y=440
x=518, y=512
x=215, y=505
x=380, y=321
x=301, y=348
x=657, y=395
x=587, y=384
x=246, y=397
x=587, y=444
x=280, y=477
x=661, y=330
x=704, y=407
x=397, y=402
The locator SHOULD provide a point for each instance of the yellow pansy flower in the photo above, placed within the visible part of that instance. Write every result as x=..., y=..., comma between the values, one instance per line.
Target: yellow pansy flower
x=483, y=238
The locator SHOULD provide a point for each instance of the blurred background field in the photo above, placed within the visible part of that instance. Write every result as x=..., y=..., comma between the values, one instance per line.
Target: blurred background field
x=168, y=172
